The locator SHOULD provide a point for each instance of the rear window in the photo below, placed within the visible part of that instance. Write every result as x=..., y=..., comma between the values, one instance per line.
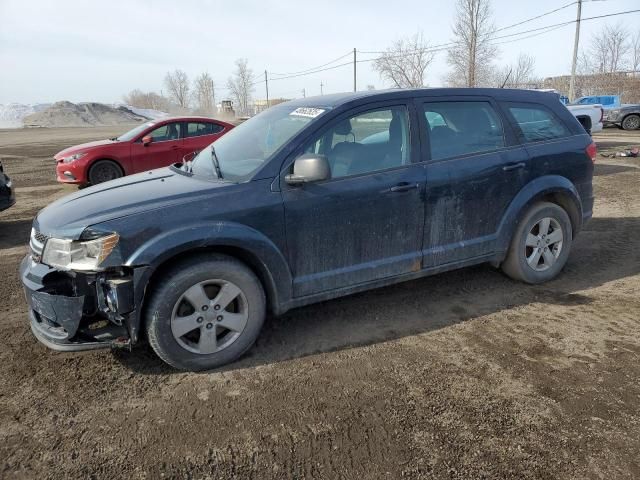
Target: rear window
x=462, y=128
x=197, y=129
x=537, y=123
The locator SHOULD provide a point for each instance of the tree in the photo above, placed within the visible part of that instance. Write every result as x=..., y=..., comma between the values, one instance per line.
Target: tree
x=204, y=93
x=608, y=49
x=472, y=54
x=634, y=62
x=404, y=63
x=177, y=83
x=518, y=75
x=138, y=98
x=240, y=86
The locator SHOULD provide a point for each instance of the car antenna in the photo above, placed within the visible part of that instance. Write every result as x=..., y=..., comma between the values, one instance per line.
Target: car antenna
x=506, y=78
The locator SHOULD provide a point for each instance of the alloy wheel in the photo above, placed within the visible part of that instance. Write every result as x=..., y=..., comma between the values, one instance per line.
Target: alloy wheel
x=209, y=316
x=544, y=244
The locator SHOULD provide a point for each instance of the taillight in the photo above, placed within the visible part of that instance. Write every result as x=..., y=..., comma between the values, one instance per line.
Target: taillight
x=592, y=151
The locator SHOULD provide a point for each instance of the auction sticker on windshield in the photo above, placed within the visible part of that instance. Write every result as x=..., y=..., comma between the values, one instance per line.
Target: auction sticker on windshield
x=307, y=112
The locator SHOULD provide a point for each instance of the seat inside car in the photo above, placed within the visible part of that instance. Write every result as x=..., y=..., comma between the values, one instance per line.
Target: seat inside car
x=172, y=132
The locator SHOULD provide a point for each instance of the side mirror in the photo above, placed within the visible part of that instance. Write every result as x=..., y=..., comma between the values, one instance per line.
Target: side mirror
x=309, y=167
x=190, y=156
x=146, y=140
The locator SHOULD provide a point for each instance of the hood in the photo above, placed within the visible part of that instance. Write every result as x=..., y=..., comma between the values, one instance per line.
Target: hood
x=68, y=216
x=83, y=147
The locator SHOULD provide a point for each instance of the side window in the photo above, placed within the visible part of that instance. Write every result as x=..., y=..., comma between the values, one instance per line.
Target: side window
x=196, y=129
x=537, y=123
x=170, y=131
x=367, y=142
x=462, y=128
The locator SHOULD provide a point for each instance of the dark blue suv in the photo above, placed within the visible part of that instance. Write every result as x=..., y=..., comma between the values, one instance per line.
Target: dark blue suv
x=310, y=200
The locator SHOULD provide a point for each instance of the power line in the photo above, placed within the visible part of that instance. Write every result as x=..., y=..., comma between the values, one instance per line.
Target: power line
x=315, y=71
x=530, y=36
x=447, y=46
x=535, y=18
x=494, y=31
x=315, y=68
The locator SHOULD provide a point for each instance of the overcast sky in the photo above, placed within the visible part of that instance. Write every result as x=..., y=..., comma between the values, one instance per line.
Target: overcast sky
x=98, y=51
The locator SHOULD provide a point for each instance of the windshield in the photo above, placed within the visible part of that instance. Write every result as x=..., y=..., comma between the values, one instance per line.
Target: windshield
x=250, y=145
x=131, y=134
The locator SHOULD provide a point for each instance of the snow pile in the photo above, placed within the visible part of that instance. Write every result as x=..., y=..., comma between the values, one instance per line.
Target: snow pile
x=145, y=112
x=11, y=115
x=67, y=114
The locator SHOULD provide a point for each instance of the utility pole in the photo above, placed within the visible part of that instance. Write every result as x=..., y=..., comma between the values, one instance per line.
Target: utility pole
x=354, y=69
x=304, y=93
x=266, y=85
x=321, y=87
x=572, y=82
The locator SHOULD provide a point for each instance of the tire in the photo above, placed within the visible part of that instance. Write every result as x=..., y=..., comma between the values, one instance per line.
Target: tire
x=631, y=122
x=103, y=171
x=527, y=259
x=198, y=339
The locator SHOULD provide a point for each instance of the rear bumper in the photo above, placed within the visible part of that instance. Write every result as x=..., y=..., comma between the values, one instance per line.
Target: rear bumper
x=65, y=313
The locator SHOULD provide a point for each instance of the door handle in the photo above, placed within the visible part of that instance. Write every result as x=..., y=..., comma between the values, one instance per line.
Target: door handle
x=513, y=166
x=403, y=187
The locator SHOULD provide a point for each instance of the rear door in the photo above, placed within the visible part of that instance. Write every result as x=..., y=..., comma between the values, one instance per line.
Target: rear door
x=475, y=168
x=366, y=222
x=165, y=148
x=198, y=135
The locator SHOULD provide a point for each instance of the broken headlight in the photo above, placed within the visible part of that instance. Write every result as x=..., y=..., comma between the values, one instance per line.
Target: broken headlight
x=86, y=255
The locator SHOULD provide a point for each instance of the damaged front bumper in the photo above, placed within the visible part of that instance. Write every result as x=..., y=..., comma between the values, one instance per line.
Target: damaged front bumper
x=72, y=311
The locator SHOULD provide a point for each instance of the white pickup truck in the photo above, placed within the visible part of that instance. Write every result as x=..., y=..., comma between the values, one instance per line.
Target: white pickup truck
x=590, y=116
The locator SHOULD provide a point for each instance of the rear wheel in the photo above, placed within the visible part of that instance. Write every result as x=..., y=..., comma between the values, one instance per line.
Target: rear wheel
x=631, y=122
x=205, y=313
x=103, y=171
x=540, y=247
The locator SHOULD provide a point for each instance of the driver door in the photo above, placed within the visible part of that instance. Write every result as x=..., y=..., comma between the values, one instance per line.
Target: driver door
x=164, y=149
x=366, y=222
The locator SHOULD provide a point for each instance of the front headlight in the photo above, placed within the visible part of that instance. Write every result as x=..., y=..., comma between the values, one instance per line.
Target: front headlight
x=78, y=255
x=613, y=113
x=74, y=157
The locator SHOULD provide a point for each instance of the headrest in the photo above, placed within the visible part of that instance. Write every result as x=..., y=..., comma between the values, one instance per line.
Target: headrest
x=343, y=128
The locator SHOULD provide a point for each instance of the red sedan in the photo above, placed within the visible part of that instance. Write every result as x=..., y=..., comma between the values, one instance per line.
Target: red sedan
x=152, y=145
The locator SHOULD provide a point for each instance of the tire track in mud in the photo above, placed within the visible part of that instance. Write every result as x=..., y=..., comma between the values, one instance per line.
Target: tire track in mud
x=461, y=375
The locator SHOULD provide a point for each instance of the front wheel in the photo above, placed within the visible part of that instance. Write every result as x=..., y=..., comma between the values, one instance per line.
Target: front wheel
x=205, y=313
x=103, y=171
x=540, y=247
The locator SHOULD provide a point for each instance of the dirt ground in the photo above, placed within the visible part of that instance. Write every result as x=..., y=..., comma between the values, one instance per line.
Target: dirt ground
x=460, y=375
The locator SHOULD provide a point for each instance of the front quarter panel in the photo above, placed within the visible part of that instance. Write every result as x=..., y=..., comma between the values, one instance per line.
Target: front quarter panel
x=246, y=216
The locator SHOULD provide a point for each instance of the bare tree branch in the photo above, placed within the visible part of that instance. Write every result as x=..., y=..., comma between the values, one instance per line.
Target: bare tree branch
x=634, y=61
x=518, y=75
x=177, y=84
x=204, y=94
x=608, y=49
x=472, y=56
x=152, y=100
x=240, y=86
x=405, y=62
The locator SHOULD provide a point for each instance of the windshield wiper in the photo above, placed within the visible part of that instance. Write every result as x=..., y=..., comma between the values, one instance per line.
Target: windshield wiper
x=216, y=163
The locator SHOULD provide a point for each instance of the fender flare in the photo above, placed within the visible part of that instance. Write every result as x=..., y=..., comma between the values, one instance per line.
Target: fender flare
x=536, y=190
x=272, y=265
